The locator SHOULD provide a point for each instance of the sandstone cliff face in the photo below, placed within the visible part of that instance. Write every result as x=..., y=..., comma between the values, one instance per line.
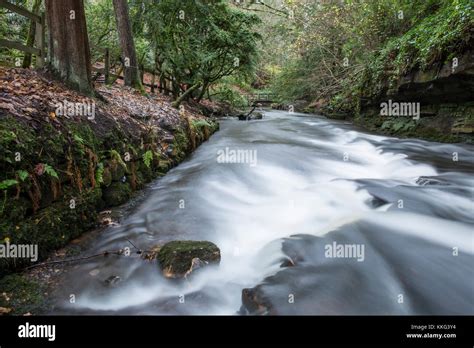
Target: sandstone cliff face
x=445, y=83
x=445, y=93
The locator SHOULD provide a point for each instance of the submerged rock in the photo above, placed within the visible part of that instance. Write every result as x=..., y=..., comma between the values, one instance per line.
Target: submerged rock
x=253, y=303
x=253, y=116
x=179, y=259
x=112, y=281
x=424, y=181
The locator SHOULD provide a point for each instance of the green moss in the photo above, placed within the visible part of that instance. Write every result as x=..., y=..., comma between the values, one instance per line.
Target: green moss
x=117, y=193
x=52, y=227
x=145, y=172
x=115, y=156
x=164, y=166
x=214, y=126
x=21, y=295
x=83, y=135
x=106, y=177
x=399, y=125
x=54, y=141
x=140, y=180
x=434, y=134
x=117, y=171
x=16, y=139
x=176, y=257
x=200, y=124
x=180, y=145
x=405, y=127
x=17, y=209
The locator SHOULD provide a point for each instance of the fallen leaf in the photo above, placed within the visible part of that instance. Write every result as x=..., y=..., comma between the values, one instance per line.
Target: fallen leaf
x=30, y=110
x=4, y=310
x=7, y=106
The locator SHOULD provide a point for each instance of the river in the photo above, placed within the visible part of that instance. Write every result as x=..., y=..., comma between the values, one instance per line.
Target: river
x=403, y=206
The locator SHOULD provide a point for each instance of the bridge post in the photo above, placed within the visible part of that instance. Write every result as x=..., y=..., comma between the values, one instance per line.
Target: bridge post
x=107, y=65
x=40, y=40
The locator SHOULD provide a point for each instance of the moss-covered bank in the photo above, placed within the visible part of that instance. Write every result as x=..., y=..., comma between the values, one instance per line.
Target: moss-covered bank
x=442, y=122
x=21, y=295
x=54, y=180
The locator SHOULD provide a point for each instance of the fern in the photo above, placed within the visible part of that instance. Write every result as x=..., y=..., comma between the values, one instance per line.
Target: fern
x=147, y=158
x=5, y=184
x=50, y=171
x=23, y=174
x=201, y=123
x=116, y=157
x=99, y=174
x=78, y=139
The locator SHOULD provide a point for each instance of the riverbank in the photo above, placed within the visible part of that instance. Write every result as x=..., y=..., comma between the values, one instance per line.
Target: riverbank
x=419, y=64
x=66, y=157
x=445, y=122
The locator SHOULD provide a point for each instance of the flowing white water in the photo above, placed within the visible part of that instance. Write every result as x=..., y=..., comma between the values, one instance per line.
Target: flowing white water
x=323, y=181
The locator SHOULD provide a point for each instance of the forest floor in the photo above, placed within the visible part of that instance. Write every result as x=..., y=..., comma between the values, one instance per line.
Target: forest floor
x=34, y=97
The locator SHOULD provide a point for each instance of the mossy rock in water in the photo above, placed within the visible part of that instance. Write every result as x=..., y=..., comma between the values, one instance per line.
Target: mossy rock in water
x=176, y=258
x=117, y=193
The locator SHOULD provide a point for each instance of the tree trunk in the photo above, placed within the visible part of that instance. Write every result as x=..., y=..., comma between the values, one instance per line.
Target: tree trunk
x=131, y=74
x=153, y=82
x=175, y=87
x=69, y=44
x=185, y=95
x=158, y=71
x=162, y=84
x=31, y=34
x=203, y=91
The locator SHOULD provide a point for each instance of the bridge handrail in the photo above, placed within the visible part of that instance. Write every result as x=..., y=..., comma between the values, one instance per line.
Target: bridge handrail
x=39, y=46
x=260, y=96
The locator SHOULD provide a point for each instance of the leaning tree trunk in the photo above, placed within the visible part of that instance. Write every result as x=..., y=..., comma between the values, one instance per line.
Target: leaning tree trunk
x=131, y=74
x=69, y=49
x=185, y=95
